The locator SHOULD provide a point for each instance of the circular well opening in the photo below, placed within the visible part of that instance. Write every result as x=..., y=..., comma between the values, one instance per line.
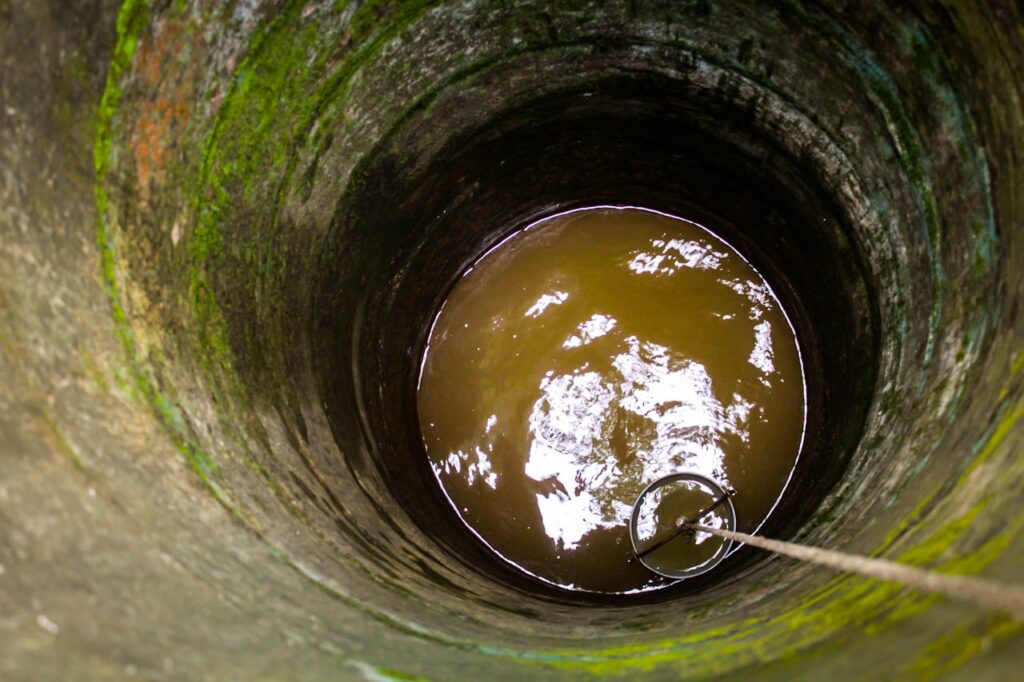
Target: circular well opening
x=589, y=355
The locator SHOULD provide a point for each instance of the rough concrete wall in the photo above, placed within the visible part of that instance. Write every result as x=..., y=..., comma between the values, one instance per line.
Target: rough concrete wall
x=117, y=561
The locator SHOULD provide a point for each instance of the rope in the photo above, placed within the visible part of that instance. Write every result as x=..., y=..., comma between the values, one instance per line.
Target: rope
x=988, y=594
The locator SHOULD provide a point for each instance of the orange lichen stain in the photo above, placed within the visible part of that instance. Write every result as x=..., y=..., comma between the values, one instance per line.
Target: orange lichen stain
x=164, y=67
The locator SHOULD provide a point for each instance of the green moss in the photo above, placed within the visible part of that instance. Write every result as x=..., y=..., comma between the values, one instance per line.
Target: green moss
x=278, y=92
x=272, y=103
x=235, y=155
x=950, y=651
x=131, y=22
x=379, y=674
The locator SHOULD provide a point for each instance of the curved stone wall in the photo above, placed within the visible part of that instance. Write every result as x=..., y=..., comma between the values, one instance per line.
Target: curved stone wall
x=225, y=229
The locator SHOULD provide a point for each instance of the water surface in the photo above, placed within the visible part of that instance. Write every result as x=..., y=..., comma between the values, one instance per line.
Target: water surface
x=589, y=355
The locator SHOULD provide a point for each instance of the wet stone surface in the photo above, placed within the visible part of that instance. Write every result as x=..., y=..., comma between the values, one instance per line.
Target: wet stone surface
x=225, y=228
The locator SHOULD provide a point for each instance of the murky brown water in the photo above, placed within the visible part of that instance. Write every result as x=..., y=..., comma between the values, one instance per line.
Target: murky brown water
x=586, y=357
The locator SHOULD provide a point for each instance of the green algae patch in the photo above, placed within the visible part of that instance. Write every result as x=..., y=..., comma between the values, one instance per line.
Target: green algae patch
x=955, y=648
x=132, y=21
